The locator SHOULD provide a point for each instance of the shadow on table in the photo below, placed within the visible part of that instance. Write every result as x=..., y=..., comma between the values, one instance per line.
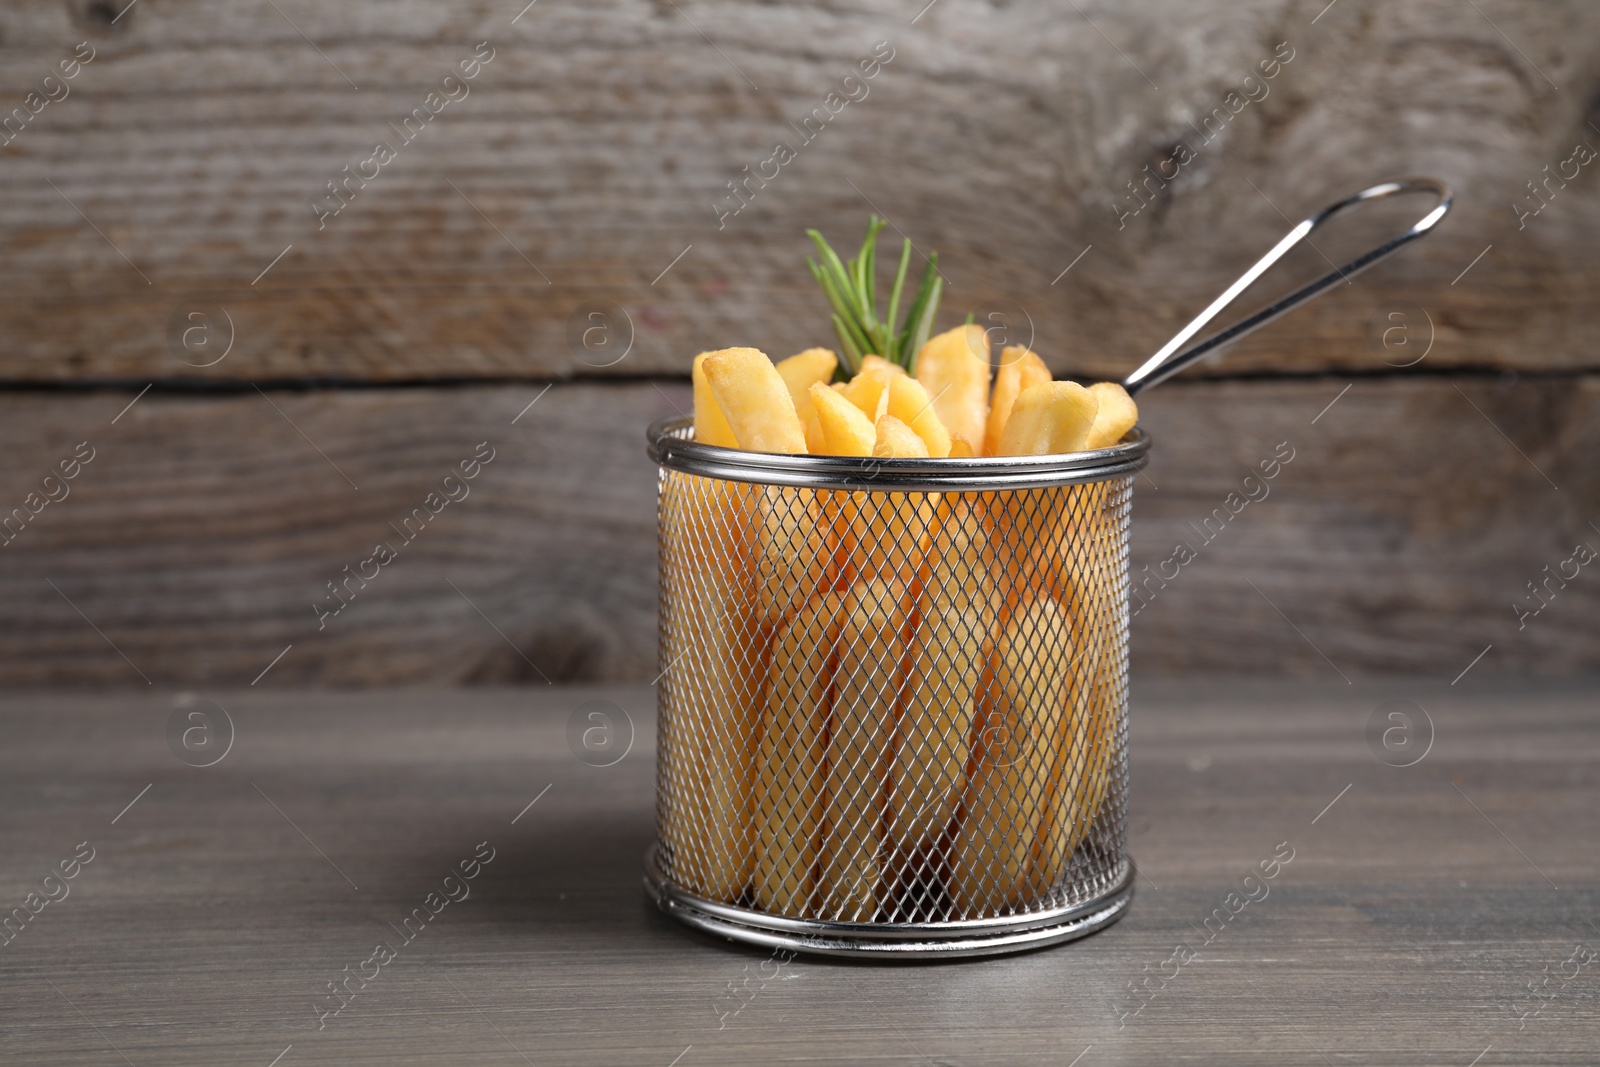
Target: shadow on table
x=570, y=885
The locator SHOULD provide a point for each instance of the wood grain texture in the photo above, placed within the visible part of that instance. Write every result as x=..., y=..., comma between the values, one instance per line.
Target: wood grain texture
x=1404, y=531
x=591, y=149
x=1404, y=931
x=206, y=528
x=211, y=526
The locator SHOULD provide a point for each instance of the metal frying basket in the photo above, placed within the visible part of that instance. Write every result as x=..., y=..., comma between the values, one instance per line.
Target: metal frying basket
x=893, y=708
x=893, y=716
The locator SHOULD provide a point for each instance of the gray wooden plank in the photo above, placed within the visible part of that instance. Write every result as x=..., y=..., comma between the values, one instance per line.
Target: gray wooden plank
x=1397, y=539
x=592, y=149
x=1404, y=930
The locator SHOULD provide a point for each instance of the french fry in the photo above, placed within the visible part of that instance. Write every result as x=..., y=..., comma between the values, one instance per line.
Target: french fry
x=909, y=402
x=1115, y=416
x=813, y=432
x=1019, y=368
x=935, y=733
x=1079, y=744
x=1049, y=418
x=1045, y=530
x=956, y=620
x=816, y=444
x=870, y=528
x=1003, y=799
x=723, y=677
x=869, y=390
x=799, y=372
x=710, y=425
x=794, y=553
x=874, y=528
x=845, y=430
x=954, y=368
x=803, y=369
x=794, y=548
x=755, y=400
x=902, y=519
x=1082, y=552
x=960, y=447
x=896, y=440
x=871, y=645
x=1029, y=526
x=679, y=741
x=877, y=364
x=790, y=807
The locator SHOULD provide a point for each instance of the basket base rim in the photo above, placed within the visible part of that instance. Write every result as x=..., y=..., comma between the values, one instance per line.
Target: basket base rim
x=890, y=941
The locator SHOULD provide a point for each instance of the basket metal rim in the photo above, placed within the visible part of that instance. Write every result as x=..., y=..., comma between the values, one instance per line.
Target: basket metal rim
x=670, y=447
x=960, y=938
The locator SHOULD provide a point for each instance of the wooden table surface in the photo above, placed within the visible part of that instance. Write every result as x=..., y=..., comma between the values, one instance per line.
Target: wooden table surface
x=1440, y=913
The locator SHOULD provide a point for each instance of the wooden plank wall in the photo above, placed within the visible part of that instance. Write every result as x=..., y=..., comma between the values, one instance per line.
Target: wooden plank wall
x=342, y=363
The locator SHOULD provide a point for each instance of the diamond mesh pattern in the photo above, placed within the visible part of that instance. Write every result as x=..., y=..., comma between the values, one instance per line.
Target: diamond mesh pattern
x=893, y=707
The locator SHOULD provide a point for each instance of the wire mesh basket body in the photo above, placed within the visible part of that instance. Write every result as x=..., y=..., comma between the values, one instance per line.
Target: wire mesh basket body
x=893, y=710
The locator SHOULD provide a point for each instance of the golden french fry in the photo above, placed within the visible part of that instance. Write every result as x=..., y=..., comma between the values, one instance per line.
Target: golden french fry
x=1080, y=541
x=845, y=430
x=1115, y=416
x=803, y=369
x=723, y=677
x=876, y=528
x=909, y=402
x=960, y=447
x=879, y=364
x=1065, y=551
x=896, y=440
x=1019, y=368
x=1002, y=802
x=1039, y=533
x=954, y=368
x=816, y=444
x=1032, y=527
x=710, y=425
x=869, y=391
x=752, y=395
x=1079, y=747
x=956, y=621
x=935, y=732
x=1083, y=557
x=794, y=548
x=799, y=373
x=871, y=527
x=679, y=741
x=871, y=646
x=793, y=753
x=1049, y=418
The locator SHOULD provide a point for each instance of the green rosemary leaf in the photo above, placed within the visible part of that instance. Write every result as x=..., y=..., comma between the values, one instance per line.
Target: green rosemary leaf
x=851, y=290
x=868, y=260
x=833, y=269
x=907, y=351
x=863, y=343
x=889, y=324
x=869, y=283
x=845, y=313
x=830, y=289
x=923, y=325
x=847, y=349
x=858, y=293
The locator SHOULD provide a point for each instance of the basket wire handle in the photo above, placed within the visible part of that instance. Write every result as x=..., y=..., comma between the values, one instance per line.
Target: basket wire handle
x=1163, y=365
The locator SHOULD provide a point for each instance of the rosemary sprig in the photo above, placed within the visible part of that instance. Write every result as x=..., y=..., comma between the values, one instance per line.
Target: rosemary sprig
x=852, y=291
